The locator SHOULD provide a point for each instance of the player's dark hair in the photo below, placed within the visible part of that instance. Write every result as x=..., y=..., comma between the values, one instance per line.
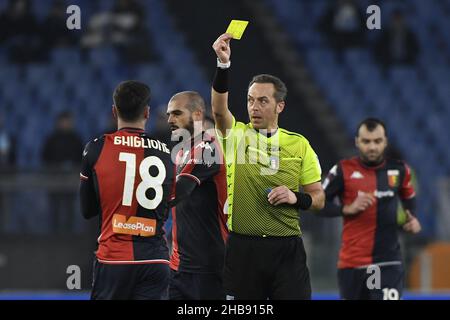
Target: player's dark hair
x=131, y=97
x=371, y=124
x=280, y=88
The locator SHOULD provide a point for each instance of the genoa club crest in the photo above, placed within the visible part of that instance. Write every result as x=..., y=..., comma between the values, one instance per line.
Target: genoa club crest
x=393, y=178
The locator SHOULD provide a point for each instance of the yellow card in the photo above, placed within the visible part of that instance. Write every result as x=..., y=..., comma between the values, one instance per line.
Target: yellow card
x=237, y=28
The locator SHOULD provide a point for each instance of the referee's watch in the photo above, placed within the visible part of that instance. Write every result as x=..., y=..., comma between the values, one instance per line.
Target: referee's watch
x=222, y=65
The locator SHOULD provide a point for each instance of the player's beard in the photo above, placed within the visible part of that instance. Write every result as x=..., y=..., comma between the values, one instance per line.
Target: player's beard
x=190, y=126
x=369, y=162
x=177, y=135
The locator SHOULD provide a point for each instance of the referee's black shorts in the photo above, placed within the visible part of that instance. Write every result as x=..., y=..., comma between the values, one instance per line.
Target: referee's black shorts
x=266, y=268
x=130, y=281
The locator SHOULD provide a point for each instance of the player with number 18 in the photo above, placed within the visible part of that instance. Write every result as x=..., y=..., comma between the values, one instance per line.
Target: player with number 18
x=127, y=180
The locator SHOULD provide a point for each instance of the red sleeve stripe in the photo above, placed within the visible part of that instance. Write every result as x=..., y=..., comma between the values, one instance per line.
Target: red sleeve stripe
x=407, y=189
x=162, y=261
x=190, y=176
x=173, y=191
x=83, y=177
x=409, y=196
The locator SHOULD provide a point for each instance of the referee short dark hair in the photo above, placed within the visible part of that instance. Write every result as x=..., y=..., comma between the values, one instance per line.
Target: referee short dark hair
x=131, y=97
x=280, y=88
x=371, y=124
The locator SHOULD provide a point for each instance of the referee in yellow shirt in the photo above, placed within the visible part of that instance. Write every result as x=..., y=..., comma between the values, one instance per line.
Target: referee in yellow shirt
x=266, y=166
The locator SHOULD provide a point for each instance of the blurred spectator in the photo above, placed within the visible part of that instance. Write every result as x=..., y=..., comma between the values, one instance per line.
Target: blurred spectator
x=343, y=24
x=62, y=151
x=137, y=48
x=19, y=30
x=17, y=20
x=63, y=148
x=54, y=31
x=397, y=44
x=123, y=28
x=130, y=9
x=7, y=148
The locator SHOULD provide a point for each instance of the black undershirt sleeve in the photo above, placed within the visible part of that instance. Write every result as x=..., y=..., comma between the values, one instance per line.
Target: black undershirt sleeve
x=89, y=203
x=184, y=187
x=333, y=187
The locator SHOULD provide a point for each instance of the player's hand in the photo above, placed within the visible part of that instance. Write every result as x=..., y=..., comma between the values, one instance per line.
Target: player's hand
x=222, y=47
x=280, y=195
x=362, y=202
x=412, y=224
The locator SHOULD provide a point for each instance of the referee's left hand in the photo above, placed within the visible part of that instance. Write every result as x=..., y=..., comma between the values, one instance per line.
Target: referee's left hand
x=280, y=195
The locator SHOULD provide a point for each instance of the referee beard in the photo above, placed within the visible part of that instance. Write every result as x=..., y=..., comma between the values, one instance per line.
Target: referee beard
x=265, y=257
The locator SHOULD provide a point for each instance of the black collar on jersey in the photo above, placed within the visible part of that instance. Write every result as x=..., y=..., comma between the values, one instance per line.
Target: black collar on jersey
x=131, y=129
x=266, y=133
x=373, y=167
x=269, y=134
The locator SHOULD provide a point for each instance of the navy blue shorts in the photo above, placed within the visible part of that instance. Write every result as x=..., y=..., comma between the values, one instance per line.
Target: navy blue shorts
x=359, y=284
x=130, y=281
x=195, y=286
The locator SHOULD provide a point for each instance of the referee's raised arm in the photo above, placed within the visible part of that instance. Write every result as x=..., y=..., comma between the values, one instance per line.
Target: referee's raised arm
x=219, y=91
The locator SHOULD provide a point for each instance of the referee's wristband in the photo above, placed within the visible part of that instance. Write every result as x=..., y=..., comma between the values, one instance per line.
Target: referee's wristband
x=304, y=200
x=220, y=82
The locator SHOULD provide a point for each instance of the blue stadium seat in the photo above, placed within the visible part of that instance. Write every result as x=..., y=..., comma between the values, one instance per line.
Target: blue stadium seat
x=65, y=56
x=41, y=8
x=11, y=90
x=107, y=57
x=36, y=73
x=73, y=75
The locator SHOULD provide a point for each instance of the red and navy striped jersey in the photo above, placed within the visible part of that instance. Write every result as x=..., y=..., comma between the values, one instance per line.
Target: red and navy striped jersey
x=370, y=236
x=199, y=230
x=128, y=178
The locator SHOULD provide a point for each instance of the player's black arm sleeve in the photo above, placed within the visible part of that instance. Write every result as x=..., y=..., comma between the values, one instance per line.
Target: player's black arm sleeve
x=88, y=200
x=410, y=204
x=89, y=203
x=333, y=186
x=184, y=188
x=330, y=210
x=196, y=172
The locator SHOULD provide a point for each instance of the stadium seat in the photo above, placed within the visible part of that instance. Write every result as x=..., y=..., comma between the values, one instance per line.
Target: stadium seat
x=63, y=57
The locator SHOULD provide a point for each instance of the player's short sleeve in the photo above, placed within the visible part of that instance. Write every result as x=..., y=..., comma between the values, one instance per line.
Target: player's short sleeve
x=205, y=160
x=311, y=171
